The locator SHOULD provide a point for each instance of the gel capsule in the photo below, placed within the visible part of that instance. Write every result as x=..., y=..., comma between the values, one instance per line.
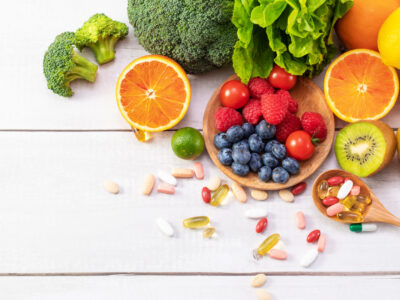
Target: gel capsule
x=350, y=216
x=364, y=199
x=358, y=207
x=261, y=225
x=206, y=194
x=349, y=201
x=219, y=195
x=208, y=232
x=313, y=236
x=323, y=189
x=196, y=222
x=268, y=243
x=359, y=227
x=333, y=191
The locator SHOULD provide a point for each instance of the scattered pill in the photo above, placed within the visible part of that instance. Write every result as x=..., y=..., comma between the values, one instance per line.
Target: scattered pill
x=214, y=183
x=313, y=236
x=198, y=170
x=261, y=225
x=208, y=232
x=345, y=189
x=328, y=201
x=148, y=184
x=286, y=195
x=111, y=187
x=299, y=188
x=277, y=254
x=308, y=258
x=321, y=243
x=259, y=195
x=363, y=227
x=182, y=173
x=165, y=227
x=166, y=188
x=166, y=177
x=334, y=209
x=355, y=190
x=300, y=220
x=336, y=180
x=239, y=192
x=258, y=280
x=219, y=195
x=196, y=222
x=280, y=245
x=256, y=213
x=206, y=194
x=268, y=244
x=263, y=294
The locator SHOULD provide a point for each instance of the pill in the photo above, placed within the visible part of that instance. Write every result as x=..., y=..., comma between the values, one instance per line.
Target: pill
x=328, y=201
x=334, y=209
x=299, y=188
x=196, y=222
x=259, y=195
x=355, y=190
x=336, y=180
x=166, y=177
x=219, y=195
x=345, y=189
x=308, y=258
x=165, y=227
x=346, y=179
x=148, y=184
x=268, y=244
x=280, y=245
x=323, y=189
x=208, y=232
x=321, y=243
x=256, y=213
x=258, y=280
x=111, y=187
x=263, y=294
x=363, y=227
x=350, y=216
x=166, y=188
x=239, y=192
x=300, y=220
x=214, y=183
x=182, y=173
x=261, y=225
x=286, y=195
x=206, y=194
x=198, y=170
x=313, y=236
x=277, y=254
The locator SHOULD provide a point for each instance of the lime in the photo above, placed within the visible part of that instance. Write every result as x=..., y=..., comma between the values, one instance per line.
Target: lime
x=187, y=143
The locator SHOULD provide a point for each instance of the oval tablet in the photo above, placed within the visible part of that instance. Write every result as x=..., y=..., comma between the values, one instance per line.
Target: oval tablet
x=166, y=177
x=256, y=213
x=309, y=258
x=165, y=227
x=345, y=189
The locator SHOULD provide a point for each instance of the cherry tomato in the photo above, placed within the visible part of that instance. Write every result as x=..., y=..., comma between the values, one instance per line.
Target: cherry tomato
x=281, y=79
x=328, y=201
x=299, y=188
x=234, y=94
x=313, y=236
x=299, y=145
x=206, y=194
x=261, y=225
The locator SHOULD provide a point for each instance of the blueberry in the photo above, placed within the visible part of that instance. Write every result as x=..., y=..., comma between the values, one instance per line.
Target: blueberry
x=255, y=143
x=279, y=151
x=248, y=129
x=265, y=173
x=241, y=156
x=269, y=160
x=268, y=146
x=280, y=175
x=265, y=131
x=221, y=141
x=225, y=156
x=235, y=134
x=242, y=144
x=255, y=162
x=239, y=169
x=291, y=165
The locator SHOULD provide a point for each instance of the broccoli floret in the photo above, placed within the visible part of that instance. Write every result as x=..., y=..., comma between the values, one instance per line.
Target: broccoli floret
x=100, y=33
x=198, y=34
x=61, y=65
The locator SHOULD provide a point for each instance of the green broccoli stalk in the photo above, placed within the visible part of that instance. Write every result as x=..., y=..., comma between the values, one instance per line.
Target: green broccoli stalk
x=61, y=65
x=100, y=33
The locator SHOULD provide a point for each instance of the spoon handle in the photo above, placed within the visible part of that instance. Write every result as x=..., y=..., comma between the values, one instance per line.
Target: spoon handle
x=378, y=213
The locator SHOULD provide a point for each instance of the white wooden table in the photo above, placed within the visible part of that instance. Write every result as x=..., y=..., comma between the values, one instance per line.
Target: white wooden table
x=63, y=237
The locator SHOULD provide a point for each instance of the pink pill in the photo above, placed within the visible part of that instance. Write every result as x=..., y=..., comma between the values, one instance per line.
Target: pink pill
x=321, y=243
x=300, y=220
x=277, y=254
x=166, y=188
x=355, y=190
x=334, y=209
x=198, y=170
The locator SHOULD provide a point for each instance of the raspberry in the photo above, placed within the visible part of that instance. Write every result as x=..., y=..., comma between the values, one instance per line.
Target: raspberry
x=274, y=108
x=314, y=125
x=289, y=124
x=259, y=86
x=226, y=117
x=252, y=111
x=292, y=103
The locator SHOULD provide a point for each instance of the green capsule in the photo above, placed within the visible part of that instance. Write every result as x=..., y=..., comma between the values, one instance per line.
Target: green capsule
x=357, y=227
x=219, y=195
x=268, y=243
x=196, y=222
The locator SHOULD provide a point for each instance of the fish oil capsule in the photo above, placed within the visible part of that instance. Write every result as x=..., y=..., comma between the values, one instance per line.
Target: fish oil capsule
x=323, y=189
x=333, y=191
x=268, y=243
x=208, y=232
x=219, y=195
x=349, y=201
x=364, y=199
x=350, y=216
x=359, y=227
x=196, y=222
x=358, y=207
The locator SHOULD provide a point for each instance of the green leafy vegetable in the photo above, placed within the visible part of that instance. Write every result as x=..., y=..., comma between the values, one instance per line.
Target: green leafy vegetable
x=294, y=34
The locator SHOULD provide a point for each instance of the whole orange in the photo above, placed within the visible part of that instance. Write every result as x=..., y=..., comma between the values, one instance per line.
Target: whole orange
x=360, y=26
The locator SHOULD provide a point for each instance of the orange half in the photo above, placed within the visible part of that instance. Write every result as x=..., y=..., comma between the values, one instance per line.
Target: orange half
x=359, y=86
x=153, y=93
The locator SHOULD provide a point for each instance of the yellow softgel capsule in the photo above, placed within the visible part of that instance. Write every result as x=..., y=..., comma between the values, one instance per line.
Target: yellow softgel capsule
x=332, y=191
x=358, y=207
x=349, y=201
x=268, y=243
x=219, y=195
x=350, y=216
x=196, y=222
x=208, y=232
x=323, y=189
x=364, y=199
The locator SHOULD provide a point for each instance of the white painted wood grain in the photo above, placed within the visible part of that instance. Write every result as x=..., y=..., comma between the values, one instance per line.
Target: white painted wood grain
x=56, y=217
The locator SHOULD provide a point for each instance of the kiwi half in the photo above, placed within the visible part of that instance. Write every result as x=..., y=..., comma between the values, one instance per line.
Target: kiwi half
x=364, y=148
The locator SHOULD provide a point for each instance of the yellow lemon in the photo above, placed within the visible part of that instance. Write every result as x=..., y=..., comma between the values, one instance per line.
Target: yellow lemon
x=389, y=40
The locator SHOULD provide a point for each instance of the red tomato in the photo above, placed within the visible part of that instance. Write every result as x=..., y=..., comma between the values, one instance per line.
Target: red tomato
x=261, y=225
x=299, y=145
x=313, y=236
x=281, y=79
x=234, y=94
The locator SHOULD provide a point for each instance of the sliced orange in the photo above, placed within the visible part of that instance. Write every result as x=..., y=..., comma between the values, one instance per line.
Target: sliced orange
x=153, y=93
x=358, y=86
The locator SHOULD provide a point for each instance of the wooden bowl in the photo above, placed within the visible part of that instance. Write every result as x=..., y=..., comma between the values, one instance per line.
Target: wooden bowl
x=310, y=98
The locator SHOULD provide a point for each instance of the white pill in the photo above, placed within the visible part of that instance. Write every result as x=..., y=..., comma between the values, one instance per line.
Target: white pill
x=165, y=227
x=256, y=213
x=214, y=183
x=166, y=177
x=308, y=258
x=345, y=189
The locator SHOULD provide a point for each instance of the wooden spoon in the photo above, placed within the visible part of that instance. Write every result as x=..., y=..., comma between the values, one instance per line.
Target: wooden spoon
x=375, y=212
